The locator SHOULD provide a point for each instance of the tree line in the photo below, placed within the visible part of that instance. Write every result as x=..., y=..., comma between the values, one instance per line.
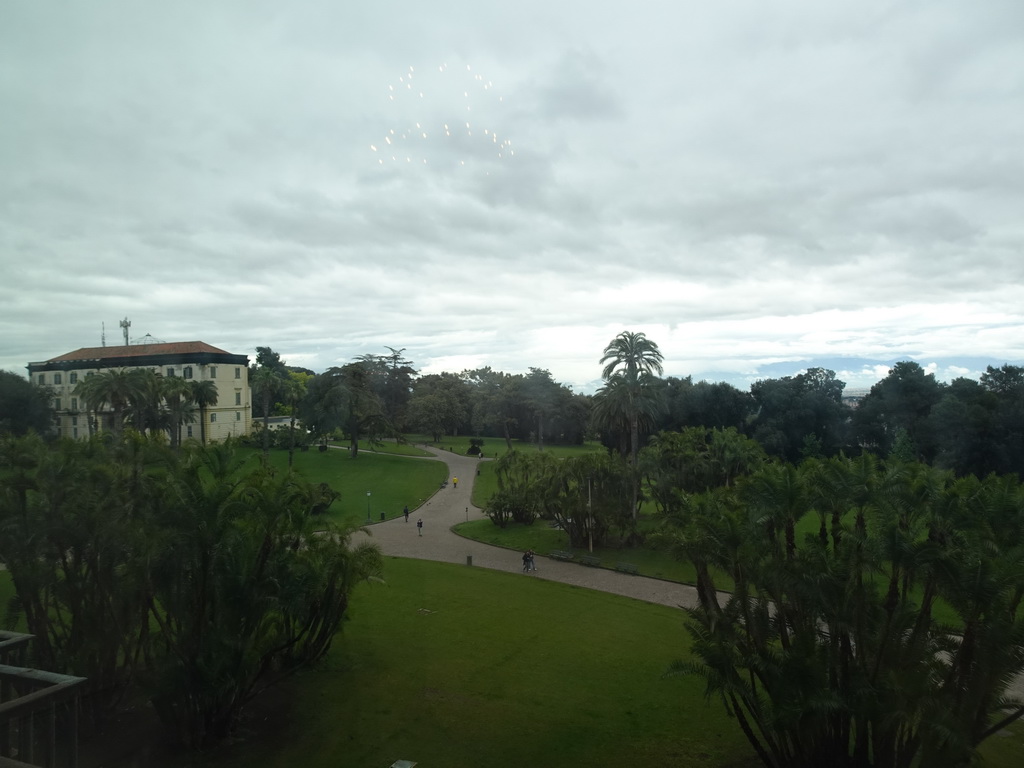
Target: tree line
x=967, y=426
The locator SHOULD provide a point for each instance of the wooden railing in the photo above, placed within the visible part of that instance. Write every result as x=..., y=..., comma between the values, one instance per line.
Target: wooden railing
x=38, y=710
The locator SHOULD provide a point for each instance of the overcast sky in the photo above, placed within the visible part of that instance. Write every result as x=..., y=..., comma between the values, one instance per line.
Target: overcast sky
x=514, y=184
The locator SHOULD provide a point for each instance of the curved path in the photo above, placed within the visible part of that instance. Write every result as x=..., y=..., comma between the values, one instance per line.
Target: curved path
x=452, y=505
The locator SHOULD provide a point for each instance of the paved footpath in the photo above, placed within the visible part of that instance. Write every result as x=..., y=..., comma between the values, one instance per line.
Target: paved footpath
x=452, y=505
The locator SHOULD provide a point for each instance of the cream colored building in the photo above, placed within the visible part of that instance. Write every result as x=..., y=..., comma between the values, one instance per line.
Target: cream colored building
x=230, y=416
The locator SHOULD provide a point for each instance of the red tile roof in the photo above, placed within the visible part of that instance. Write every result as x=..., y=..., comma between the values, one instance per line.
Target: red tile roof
x=139, y=350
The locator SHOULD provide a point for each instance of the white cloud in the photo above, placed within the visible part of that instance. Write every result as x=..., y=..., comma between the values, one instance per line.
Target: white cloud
x=746, y=183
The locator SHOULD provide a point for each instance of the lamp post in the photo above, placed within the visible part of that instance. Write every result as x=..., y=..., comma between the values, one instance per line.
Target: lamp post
x=367, y=506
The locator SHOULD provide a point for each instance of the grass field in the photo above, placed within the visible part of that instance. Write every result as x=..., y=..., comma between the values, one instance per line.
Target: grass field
x=454, y=666
x=391, y=480
x=494, y=447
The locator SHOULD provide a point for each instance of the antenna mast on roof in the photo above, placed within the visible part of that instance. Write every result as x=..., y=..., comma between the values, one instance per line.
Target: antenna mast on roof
x=126, y=324
x=103, y=334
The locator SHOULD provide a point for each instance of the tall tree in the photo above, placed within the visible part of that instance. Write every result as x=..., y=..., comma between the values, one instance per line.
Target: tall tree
x=115, y=388
x=24, y=406
x=964, y=424
x=269, y=360
x=293, y=392
x=146, y=411
x=266, y=383
x=631, y=360
x=343, y=398
x=399, y=376
x=541, y=392
x=440, y=404
x=633, y=354
x=177, y=393
x=716, y=405
x=1007, y=385
x=794, y=410
x=204, y=395
x=496, y=399
x=902, y=400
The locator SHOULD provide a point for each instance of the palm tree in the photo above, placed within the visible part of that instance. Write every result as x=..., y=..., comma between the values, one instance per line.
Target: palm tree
x=631, y=361
x=116, y=388
x=634, y=354
x=621, y=409
x=146, y=412
x=293, y=390
x=266, y=383
x=177, y=394
x=203, y=394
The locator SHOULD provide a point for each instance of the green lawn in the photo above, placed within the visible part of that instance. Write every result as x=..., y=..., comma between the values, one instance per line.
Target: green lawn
x=392, y=480
x=388, y=446
x=486, y=484
x=495, y=447
x=453, y=666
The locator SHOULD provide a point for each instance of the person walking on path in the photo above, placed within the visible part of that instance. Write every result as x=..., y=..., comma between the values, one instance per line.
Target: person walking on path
x=419, y=526
x=528, y=564
x=455, y=482
x=406, y=512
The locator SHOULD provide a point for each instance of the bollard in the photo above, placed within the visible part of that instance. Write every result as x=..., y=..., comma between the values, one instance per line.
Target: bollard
x=382, y=517
x=469, y=560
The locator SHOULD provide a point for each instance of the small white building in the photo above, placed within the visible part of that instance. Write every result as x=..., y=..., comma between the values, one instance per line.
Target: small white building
x=230, y=416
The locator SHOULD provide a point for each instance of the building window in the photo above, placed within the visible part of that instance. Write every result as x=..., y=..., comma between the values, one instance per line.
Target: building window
x=74, y=432
x=89, y=374
x=56, y=378
x=238, y=415
x=73, y=378
x=170, y=373
x=238, y=398
x=74, y=403
x=56, y=403
x=238, y=373
x=186, y=372
x=213, y=371
x=74, y=421
x=213, y=417
x=42, y=378
x=188, y=431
